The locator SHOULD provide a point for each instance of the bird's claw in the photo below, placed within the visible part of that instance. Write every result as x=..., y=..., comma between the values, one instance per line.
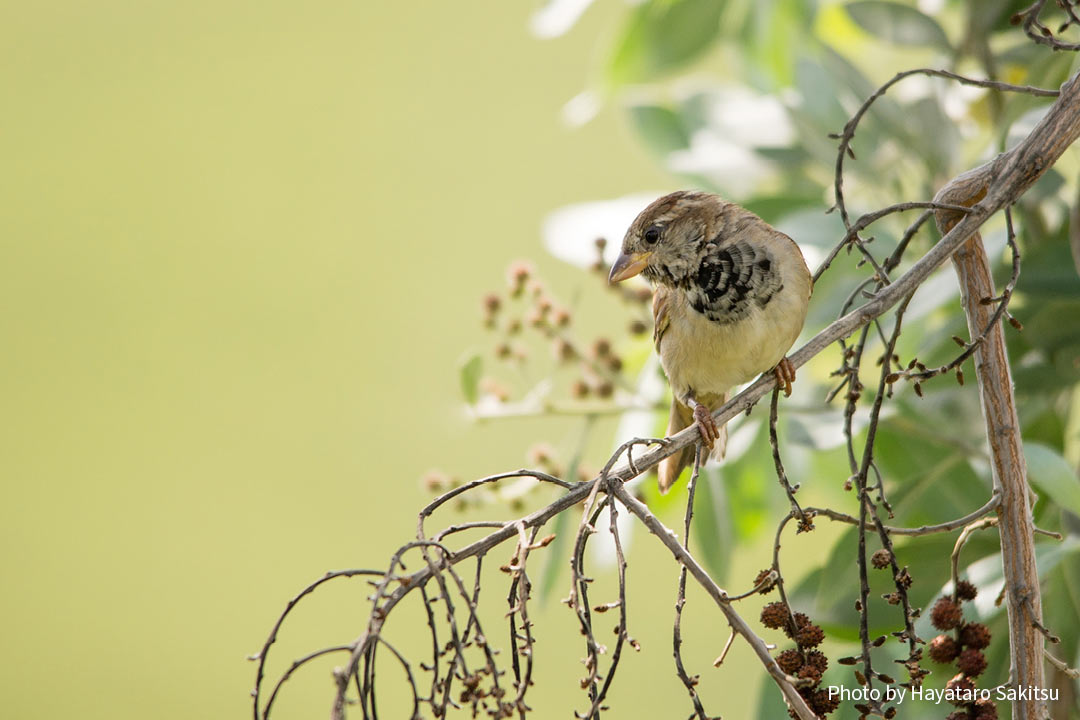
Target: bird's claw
x=706, y=426
x=785, y=375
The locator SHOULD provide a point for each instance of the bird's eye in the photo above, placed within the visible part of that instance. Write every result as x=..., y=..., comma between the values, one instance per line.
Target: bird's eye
x=652, y=235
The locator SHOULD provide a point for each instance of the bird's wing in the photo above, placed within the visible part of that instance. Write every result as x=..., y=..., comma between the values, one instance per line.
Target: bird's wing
x=660, y=303
x=783, y=239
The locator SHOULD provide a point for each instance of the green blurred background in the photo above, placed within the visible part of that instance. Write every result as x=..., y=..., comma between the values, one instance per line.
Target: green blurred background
x=243, y=246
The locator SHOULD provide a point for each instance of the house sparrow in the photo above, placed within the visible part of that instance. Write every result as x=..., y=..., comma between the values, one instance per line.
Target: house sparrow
x=731, y=294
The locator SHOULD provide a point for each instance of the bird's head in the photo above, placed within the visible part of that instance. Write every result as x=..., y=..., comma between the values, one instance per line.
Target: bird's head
x=664, y=242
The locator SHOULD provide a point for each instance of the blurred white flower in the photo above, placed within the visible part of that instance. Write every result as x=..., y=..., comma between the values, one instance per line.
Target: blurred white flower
x=581, y=108
x=724, y=162
x=735, y=121
x=750, y=119
x=570, y=232
x=556, y=17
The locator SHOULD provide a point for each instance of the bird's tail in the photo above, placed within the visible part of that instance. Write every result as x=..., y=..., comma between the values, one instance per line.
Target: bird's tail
x=682, y=417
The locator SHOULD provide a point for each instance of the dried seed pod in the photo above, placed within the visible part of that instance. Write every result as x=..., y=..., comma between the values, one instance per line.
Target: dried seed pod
x=962, y=687
x=436, y=481
x=516, y=276
x=563, y=350
x=944, y=649
x=946, y=614
x=809, y=636
x=790, y=661
x=764, y=577
x=975, y=635
x=881, y=559
x=817, y=659
x=985, y=709
x=823, y=702
x=774, y=615
x=971, y=662
x=807, y=672
x=540, y=454
x=966, y=590
x=801, y=621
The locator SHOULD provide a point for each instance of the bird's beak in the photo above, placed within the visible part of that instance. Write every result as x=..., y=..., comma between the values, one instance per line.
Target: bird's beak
x=627, y=266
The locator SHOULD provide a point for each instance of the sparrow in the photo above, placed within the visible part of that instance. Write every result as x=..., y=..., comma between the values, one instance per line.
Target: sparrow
x=730, y=298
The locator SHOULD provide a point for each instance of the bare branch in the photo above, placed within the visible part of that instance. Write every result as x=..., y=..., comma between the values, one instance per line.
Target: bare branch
x=668, y=538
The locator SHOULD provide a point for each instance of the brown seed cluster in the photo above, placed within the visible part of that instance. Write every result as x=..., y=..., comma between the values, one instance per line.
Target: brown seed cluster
x=971, y=662
x=881, y=559
x=975, y=635
x=527, y=305
x=765, y=582
x=946, y=614
x=965, y=648
x=966, y=590
x=774, y=615
x=944, y=649
x=802, y=661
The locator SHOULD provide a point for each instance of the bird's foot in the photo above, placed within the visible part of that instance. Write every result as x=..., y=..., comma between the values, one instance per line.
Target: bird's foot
x=785, y=375
x=706, y=425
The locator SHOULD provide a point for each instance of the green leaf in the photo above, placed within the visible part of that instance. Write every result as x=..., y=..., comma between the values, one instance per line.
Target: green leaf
x=1050, y=472
x=898, y=23
x=774, y=206
x=470, y=371
x=661, y=127
x=988, y=576
x=773, y=38
x=557, y=550
x=664, y=35
x=557, y=554
x=712, y=523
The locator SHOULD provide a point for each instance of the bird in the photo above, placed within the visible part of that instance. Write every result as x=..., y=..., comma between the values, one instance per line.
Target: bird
x=730, y=298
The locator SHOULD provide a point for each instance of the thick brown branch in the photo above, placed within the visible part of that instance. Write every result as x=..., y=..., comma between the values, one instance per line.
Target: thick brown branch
x=995, y=185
